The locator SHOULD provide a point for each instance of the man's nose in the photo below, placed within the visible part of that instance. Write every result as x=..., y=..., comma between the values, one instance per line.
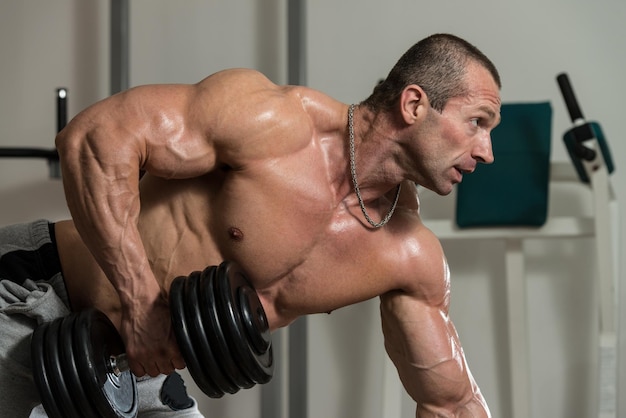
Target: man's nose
x=483, y=153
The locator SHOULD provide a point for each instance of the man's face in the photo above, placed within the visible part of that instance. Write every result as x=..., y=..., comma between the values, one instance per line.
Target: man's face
x=458, y=138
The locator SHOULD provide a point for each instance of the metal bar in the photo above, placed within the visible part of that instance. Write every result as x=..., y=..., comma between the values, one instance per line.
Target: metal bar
x=298, y=357
x=606, y=285
x=518, y=329
x=61, y=108
x=54, y=166
x=286, y=395
x=49, y=154
x=275, y=395
x=296, y=42
x=298, y=331
x=556, y=227
x=119, y=45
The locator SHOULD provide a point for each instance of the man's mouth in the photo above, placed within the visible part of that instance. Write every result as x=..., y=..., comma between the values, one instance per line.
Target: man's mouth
x=462, y=171
x=467, y=170
x=460, y=174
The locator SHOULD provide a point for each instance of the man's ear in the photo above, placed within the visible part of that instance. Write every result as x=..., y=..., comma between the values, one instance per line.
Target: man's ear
x=413, y=103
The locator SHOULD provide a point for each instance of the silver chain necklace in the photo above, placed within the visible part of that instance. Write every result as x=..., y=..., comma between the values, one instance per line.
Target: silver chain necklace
x=356, y=184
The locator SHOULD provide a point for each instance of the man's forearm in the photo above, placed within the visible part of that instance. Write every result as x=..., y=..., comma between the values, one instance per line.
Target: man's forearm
x=445, y=390
x=102, y=192
x=423, y=344
x=475, y=407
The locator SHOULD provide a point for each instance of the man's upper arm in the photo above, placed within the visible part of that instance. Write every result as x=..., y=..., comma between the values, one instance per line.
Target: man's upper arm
x=149, y=127
x=171, y=131
x=422, y=342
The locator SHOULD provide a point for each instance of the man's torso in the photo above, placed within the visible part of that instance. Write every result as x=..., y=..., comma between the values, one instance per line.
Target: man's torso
x=289, y=219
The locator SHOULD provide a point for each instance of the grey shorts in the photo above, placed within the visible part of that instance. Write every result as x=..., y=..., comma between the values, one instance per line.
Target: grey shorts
x=32, y=291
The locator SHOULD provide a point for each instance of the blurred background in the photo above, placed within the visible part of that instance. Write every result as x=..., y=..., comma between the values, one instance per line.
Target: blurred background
x=348, y=47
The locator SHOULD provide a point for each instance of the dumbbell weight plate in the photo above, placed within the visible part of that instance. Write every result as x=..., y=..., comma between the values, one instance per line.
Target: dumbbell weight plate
x=215, y=333
x=254, y=319
x=72, y=379
x=182, y=331
x=229, y=279
x=95, y=341
x=41, y=375
x=57, y=371
x=198, y=337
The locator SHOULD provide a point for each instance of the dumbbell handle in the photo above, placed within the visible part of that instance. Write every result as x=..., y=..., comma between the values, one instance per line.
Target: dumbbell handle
x=118, y=364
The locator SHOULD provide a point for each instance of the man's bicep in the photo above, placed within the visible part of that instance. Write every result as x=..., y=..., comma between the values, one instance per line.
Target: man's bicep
x=423, y=344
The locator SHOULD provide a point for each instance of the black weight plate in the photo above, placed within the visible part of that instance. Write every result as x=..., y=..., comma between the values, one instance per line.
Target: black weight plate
x=198, y=337
x=230, y=278
x=179, y=323
x=72, y=378
x=56, y=371
x=256, y=327
x=40, y=372
x=254, y=319
x=95, y=341
x=214, y=332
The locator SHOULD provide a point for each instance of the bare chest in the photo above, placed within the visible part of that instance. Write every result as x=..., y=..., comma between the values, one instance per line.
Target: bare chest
x=300, y=247
x=302, y=262
x=274, y=229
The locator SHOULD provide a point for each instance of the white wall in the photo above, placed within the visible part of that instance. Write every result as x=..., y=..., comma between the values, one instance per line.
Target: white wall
x=351, y=44
x=43, y=45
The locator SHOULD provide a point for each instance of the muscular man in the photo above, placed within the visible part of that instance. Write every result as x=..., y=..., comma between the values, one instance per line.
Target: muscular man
x=315, y=199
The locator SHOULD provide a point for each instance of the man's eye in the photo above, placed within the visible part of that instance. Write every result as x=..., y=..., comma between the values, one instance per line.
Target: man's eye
x=474, y=122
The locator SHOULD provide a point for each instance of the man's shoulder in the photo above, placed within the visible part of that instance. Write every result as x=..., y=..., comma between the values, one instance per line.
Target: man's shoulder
x=413, y=254
x=236, y=74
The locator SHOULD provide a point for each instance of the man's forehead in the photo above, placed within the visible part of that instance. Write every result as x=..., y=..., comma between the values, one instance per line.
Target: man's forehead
x=484, y=100
x=484, y=93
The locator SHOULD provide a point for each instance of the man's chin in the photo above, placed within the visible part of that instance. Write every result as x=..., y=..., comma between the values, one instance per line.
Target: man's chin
x=441, y=191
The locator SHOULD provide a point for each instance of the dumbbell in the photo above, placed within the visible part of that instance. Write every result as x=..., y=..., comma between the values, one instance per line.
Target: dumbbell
x=80, y=368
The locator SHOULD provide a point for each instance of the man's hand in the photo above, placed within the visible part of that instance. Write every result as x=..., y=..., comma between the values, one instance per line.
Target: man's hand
x=150, y=342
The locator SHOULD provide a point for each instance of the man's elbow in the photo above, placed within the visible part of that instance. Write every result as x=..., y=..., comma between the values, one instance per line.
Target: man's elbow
x=66, y=142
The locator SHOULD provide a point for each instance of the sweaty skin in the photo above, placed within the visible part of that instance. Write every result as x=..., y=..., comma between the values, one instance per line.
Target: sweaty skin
x=241, y=169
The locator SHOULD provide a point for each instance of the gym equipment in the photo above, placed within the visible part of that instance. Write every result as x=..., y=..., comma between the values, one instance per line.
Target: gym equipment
x=591, y=157
x=50, y=155
x=81, y=371
x=227, y=345
x=513, y=191
x=577, y=139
